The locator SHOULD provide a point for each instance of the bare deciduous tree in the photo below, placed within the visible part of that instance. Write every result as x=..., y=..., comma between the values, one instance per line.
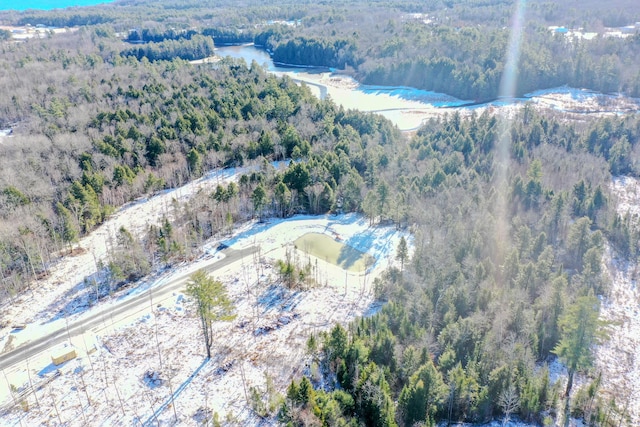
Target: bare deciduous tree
x=509, y=402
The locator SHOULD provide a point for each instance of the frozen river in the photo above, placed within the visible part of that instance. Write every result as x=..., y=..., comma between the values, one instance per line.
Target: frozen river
x=409, y=107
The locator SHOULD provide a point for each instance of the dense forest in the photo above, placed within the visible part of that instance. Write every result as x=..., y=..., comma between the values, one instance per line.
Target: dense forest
x=478, y=308
x=509, y=217
x=454, y=47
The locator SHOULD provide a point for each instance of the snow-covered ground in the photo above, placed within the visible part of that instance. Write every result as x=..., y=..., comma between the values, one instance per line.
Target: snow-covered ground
x=66, y=280
x=156, y=352
x=406, y=112
x=618, y=358
x=574, y=100
x=408, y=107
x=5, y=133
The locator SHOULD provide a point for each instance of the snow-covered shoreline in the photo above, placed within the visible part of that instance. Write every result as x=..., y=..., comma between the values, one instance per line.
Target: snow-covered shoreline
x=408, y=108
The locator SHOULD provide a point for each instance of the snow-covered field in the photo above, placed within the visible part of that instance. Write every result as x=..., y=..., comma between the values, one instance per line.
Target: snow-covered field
x=405, y=113
x=156, y=352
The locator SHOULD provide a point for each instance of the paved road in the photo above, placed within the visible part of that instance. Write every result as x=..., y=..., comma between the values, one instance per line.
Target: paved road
x=111, y=313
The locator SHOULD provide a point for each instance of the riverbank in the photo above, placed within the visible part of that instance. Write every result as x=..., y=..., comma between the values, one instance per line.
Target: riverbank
x=409, y=108
x=347, y=92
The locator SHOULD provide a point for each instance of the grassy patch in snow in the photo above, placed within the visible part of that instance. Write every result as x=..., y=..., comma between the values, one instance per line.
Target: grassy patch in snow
x=326, y=248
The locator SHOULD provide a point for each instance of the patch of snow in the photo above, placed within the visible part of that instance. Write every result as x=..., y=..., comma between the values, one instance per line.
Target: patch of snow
x=557, y=371
x=617, y=358
x=582, y=101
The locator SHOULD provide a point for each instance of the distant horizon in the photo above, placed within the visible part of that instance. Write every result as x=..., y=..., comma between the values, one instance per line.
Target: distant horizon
x=47, y=4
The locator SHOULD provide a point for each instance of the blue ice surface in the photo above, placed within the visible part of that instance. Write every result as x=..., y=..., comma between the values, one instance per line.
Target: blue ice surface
x=405, y=92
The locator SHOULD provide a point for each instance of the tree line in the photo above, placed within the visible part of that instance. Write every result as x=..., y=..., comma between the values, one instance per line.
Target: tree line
x=460, y=49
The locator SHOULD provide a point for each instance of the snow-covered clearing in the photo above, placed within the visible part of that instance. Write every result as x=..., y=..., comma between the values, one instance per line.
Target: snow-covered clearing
x=145, y=358
x=573, y=100
x=66, y=279
x=618, y=357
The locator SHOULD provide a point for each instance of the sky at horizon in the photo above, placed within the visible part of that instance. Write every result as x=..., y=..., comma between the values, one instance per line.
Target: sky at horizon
x=21, y=5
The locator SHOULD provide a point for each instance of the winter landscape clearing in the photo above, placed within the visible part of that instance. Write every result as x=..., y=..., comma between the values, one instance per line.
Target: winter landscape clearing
x=409, y=108
x=148, y=365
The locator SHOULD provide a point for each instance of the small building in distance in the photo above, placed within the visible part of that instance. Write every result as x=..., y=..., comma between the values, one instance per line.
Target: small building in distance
x=63, y=353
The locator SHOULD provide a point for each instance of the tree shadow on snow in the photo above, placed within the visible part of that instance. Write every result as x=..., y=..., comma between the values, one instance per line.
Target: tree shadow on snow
x=79, y=298
x=370, y=241
x=349, y=256
x=278, y=297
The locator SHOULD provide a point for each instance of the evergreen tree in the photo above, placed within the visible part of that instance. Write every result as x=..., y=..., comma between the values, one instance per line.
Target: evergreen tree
x=259, y=199
x=420, y=398
x=402, y=252
x=69, y=231
x=580, y=330
x=212, y=304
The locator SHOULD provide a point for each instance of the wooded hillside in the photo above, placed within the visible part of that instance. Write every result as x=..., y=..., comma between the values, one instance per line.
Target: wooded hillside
x=509, y=216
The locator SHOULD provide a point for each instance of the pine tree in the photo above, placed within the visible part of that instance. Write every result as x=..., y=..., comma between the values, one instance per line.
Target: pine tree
x=259, y=199
x=402, y=252
x=212, y=304
x=70, y=230
x=580, y=329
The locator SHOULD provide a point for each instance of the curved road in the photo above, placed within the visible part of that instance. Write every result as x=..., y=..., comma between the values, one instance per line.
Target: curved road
x=87, y=322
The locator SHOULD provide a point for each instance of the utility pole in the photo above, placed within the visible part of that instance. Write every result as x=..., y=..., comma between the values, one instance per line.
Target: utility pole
x=35, y=394
x=55, y=406
x=155, y=322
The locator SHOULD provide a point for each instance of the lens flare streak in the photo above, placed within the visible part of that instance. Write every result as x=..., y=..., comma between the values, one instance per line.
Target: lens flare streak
x=507, y=89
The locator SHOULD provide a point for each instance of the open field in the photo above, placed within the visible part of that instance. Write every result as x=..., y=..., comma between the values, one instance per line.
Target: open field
x=328, y=249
